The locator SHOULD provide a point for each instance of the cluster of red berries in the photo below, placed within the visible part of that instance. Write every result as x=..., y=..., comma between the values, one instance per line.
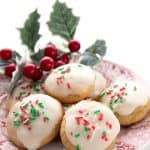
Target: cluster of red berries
x=6, y=54
x=50, y=60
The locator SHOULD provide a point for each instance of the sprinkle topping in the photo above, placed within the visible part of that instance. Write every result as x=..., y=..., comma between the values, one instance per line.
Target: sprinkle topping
x=28, y=113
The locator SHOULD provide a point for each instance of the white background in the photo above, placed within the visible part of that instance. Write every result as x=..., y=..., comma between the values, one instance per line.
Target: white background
x=124, y=24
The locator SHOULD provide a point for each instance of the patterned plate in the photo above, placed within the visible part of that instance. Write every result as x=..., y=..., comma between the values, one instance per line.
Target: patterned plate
x=135, y=137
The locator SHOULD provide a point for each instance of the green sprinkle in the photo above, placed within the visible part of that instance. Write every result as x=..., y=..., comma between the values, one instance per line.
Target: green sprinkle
x=33, y=112
x=77, y=147
x=35, y=87
x=111, y=90
x=60, y=69
x=41, y=105
x=86, y=129
x=47, y=118
x=16, y=123
x=25, y=105
x=77, y=135
x=32, y=119
x=16, y=114
x=126, y=94
x=97, y=111
x=104, y=132
x=116, y=100
x=111, y=106
x=43, y=113
x=102, y=95
x=21, y=94
x=121, y=100
x=135, y=88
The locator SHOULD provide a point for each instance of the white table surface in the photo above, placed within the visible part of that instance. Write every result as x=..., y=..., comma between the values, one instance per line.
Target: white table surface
x=124, y=24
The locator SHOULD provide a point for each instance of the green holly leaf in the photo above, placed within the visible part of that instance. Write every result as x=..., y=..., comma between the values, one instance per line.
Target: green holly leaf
x=37, y=56
x=94, y=53
x=16, y=77
x=62, y=21
x=29, y=33
x=99, y=47
x=16, y=55
x=89, y=59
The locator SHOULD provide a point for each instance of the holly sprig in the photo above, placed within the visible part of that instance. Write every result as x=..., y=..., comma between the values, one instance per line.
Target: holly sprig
x=29, y=33
x=63, y=23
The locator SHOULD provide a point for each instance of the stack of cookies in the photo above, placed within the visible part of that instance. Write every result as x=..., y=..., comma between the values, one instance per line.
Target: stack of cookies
x=95, y=109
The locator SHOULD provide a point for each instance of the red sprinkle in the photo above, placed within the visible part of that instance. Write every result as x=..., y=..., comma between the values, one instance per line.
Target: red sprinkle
x=85, y=122
x=81, y=111
x=3, y=123
x=71, y=133
x=29, y=128
x=122, y=89
x=23, y=117
x=66, y=71
x=38, y=113
x=93, y=127
x=78, y=120
x=22, y=109
x=37, y=101
x=31, y=103
x=109, y=125
x=88, y=136
x=89, y=129
x=119, y=95
x=68, y=86
x=115, y=86
x=26, y=122
x=25, y=87
x=108, y=93
x=44, y=119
x=42, y=87
x=100, y=117
x=104, y=138
x=59, y=80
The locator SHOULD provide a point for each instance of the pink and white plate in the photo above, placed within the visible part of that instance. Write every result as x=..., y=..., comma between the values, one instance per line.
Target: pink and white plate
x=135, y=137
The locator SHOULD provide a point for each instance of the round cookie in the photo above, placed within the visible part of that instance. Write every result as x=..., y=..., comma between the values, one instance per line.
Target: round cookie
x=34, y=121
x=99, y=85
x=23, y=90
x=89, y=125
x=129, y=100
x=70, y=83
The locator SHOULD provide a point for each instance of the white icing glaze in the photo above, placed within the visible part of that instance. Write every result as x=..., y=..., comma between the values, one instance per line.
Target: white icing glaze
x=100, y=84
x=132, y=95
x=25, y=89
x=70, y=79
x=40, y=129
x=97, y=115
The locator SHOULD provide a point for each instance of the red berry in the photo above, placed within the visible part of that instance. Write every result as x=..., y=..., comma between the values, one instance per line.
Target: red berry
x=6, y=54
x=29, y=70
x=51, y=51
x=38, y=74
x=65, y=58
x=46, y=63
x=74, y=46
x=9, y=69
x=59, y=63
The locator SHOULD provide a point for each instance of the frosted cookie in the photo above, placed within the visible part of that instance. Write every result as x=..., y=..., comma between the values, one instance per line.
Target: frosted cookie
x=129, y=100
x=89, y=125
x=70, y=83
x=23, y=90
x=34, y=121
x=99, y=85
